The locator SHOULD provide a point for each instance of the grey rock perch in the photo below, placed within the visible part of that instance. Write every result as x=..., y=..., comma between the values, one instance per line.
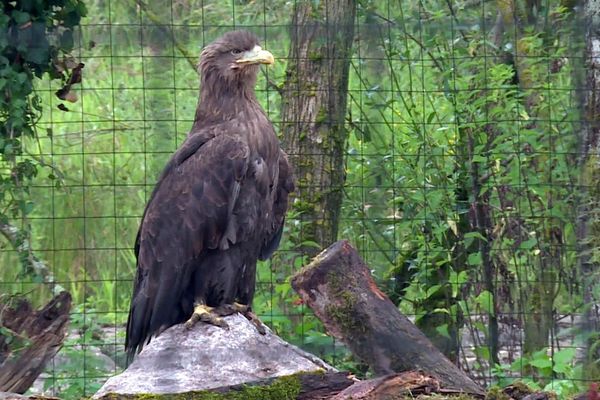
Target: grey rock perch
x=209, y=357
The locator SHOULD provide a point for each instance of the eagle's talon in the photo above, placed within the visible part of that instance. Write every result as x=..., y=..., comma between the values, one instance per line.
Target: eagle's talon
x=189, y=324
x=209, y=315
x=260, y=327
x=213, y=319
x=220, y=322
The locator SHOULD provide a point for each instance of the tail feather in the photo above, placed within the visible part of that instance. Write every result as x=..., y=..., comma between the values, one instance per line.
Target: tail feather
x=138, y=322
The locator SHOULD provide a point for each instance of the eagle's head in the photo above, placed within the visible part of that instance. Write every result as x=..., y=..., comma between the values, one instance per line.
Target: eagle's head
x=233, y=60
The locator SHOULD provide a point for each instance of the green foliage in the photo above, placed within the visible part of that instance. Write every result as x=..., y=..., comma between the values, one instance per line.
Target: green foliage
x=35, y=38
x=544, y=371
x=80, y=366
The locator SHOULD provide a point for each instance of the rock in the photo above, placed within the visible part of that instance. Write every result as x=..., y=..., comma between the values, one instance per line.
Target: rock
x=208, y=357
x=12, y=396
x=16, y=396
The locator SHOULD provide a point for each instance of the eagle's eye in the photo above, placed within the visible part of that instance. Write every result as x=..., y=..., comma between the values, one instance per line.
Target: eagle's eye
x=235, y=52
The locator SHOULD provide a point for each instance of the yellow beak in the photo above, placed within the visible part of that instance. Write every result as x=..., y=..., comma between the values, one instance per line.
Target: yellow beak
x=256, y=56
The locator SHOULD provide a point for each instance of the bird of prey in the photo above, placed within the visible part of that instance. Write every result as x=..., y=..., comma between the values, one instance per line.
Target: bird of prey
x=219, y=204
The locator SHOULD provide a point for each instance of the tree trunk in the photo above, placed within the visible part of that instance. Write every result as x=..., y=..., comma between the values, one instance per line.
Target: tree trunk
x=29, y=339
x=338, y=286
x=588, y=232
x=313, y=113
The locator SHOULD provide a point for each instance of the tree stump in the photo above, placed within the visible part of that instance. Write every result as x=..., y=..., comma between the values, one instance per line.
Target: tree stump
x=338, y=286
x=29, y=339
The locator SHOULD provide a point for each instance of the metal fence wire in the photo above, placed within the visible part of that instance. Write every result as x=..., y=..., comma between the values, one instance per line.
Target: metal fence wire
x=462, y=177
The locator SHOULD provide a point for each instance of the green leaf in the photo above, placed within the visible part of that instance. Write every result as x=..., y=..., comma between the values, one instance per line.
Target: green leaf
x=38, y=55
x=432, y=290
x=479, y=159
x=564, y=356
x=81, y=9
x=443, y=331
x=485, y=300
x=541, y=363
x=310, y=243
x=474, y=259
x=26, y=207
x=20, y=17
x=561, y=368
x=519, y=364
x=456, y=281
x=22, y=77
x=529, y=243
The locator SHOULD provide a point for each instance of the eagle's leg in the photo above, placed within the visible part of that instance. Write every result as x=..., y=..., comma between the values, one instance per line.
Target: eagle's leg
x=207, y=314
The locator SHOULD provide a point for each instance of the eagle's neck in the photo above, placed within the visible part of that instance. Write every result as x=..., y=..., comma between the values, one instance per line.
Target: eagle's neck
x=222, y=100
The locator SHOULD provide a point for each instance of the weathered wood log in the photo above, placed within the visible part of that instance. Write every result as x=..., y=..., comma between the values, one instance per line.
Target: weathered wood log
x=30, y=339
x=395, y=386
x=338, y=286
x=311, y=386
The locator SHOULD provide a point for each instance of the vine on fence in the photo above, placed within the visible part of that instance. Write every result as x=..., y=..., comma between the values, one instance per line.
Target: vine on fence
x=36, y=39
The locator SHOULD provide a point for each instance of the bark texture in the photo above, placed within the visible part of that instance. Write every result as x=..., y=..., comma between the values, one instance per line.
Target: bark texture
x=395, y=386
x=34, y=338
x=314, y=110
x=339, y=288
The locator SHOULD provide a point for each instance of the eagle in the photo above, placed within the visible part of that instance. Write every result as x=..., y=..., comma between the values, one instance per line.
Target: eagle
x=219, y=204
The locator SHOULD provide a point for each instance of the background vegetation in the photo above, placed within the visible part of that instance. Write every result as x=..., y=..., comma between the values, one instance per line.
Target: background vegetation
x=462, y=177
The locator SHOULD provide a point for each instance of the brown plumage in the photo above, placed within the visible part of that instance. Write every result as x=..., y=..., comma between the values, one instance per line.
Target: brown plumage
x=218, y=206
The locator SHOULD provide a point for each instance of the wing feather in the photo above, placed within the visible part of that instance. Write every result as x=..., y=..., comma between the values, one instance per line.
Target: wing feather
x=285, y=185
x=188, y=213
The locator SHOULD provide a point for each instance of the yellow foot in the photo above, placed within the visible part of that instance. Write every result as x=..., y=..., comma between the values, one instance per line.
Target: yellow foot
x=244, y=309
x=206, y=314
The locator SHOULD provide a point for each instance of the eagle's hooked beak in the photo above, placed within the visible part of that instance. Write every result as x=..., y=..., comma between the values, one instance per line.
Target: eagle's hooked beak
x=256, y=56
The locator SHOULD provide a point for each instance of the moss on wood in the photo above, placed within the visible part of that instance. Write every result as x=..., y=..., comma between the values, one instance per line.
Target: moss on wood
x=343, y=308
x=284, y=388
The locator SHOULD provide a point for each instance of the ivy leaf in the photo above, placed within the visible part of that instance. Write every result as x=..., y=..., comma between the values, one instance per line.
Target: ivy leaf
x=26, y=207
x=37, y=55
x=20, y=17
